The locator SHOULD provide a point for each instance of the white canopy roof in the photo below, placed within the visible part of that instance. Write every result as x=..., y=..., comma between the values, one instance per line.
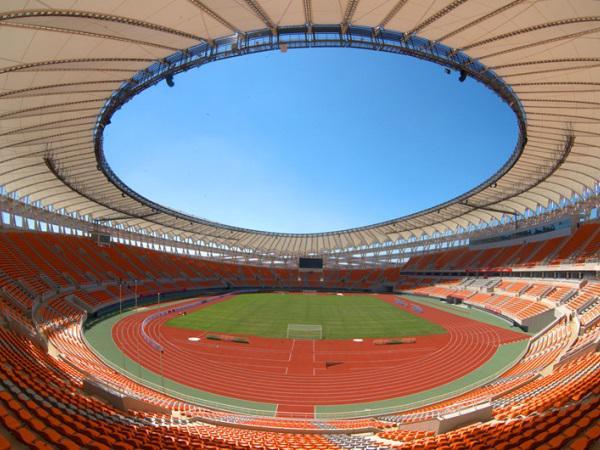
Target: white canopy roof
x=61, y=60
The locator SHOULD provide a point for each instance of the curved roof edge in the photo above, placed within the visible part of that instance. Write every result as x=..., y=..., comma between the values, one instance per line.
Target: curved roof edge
x=61, y=67
x=303, y=36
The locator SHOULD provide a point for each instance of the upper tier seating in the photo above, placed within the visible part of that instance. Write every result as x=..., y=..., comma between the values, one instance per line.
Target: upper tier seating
x=577, y=244
x=581, y=246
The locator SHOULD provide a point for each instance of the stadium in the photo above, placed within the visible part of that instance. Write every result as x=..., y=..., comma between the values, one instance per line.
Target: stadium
x=128, y=324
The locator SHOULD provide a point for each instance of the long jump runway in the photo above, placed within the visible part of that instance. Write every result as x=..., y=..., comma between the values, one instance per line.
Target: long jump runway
x=297, y=375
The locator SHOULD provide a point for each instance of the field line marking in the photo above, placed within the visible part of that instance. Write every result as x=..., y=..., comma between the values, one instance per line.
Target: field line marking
x=292, y=350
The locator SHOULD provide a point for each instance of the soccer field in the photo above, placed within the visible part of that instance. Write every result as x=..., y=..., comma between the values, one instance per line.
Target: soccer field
x=341, y=317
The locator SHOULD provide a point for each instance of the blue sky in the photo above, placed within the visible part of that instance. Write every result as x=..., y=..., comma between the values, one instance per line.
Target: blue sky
x=310, y=140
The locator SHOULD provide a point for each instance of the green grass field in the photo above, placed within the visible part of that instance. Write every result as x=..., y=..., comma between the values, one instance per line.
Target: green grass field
x=342, y=317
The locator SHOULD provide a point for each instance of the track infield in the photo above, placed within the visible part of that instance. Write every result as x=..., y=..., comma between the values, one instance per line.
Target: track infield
x=341, y=317
x=316, y=378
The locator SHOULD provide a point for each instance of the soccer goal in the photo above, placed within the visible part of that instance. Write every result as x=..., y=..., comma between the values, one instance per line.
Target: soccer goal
x=304, y=331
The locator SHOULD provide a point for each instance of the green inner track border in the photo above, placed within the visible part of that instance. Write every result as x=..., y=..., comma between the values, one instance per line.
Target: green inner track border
x=99, y=337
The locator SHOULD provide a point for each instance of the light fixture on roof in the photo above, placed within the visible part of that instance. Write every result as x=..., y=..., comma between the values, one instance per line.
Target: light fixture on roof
x=447, y=70
x=169, y=80
x=463, y=76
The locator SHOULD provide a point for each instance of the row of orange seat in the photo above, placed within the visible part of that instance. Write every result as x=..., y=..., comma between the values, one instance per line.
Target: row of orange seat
x=42, y=405
x=513, y=307
x=571, y=427
x=43, y=408
x=35, y=263
x=576, y=248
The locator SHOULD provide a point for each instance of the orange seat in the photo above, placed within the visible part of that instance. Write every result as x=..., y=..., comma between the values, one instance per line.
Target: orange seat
x=580, y=443
x=4, y=443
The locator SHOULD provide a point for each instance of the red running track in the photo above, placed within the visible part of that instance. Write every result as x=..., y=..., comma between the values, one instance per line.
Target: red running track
x=293, y=374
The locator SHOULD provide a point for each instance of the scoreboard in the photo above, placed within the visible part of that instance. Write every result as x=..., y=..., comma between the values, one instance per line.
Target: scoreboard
x=310, y=263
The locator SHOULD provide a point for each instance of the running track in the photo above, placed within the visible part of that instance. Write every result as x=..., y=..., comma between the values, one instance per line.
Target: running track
x=292, y=373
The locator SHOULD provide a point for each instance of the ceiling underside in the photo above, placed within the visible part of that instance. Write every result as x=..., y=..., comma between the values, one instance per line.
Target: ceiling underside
x=60, y=61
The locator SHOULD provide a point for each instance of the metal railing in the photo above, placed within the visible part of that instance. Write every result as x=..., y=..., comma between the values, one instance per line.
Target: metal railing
x=303, y=36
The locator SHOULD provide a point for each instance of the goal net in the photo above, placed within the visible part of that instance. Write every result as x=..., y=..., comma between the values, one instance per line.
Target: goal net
x=303, y=331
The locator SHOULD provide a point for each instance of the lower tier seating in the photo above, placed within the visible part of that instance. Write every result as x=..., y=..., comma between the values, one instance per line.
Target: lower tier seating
x=548, y=399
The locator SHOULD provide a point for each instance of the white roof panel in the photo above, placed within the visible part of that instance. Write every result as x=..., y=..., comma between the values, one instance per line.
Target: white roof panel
x=62, y=60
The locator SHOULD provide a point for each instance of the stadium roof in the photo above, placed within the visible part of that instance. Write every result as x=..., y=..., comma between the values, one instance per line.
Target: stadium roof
x=66, y=66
